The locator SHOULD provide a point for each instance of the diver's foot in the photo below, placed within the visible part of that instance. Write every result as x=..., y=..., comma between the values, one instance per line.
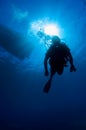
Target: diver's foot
x=47, y=86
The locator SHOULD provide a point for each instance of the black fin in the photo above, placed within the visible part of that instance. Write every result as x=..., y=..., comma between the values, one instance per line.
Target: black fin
x=47, y=86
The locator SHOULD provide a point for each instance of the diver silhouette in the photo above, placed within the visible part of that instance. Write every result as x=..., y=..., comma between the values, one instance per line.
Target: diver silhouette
x=58, y=55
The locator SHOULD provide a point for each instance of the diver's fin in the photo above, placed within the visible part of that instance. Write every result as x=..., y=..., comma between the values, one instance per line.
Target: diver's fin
x=47, y=86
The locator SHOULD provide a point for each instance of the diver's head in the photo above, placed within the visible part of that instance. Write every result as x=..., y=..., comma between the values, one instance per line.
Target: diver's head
x=56, y=40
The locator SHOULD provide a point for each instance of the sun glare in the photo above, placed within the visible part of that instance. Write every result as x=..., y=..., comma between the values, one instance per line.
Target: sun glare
x=51, y=29
x=47, y=27
x=44, y=30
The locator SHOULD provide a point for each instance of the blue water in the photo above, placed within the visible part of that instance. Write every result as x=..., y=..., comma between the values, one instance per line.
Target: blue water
x=23, y=105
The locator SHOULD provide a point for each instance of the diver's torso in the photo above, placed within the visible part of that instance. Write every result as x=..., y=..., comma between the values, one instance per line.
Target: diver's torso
x=58, y=55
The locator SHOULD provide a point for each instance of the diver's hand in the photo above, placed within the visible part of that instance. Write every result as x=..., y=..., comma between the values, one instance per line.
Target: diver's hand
x=72, y=68
x=46, y=73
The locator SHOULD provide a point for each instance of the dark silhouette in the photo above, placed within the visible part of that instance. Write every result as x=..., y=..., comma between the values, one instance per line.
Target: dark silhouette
x=58, y=55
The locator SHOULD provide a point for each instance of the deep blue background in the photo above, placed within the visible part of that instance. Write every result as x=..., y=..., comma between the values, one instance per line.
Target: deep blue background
x=23, y=105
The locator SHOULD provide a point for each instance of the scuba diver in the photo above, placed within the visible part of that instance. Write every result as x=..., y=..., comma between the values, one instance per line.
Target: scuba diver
x=58, y=55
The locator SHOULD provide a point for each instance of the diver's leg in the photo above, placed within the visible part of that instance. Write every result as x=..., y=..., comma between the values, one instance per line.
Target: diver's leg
x=48, y=84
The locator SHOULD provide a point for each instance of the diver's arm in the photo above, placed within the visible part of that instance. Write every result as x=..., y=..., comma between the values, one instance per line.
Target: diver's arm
x=69, y=57
x=47, y=56
x=45, y=65
x=72, y=67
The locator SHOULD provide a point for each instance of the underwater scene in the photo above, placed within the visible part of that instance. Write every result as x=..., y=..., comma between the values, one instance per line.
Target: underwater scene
x=28, y=98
